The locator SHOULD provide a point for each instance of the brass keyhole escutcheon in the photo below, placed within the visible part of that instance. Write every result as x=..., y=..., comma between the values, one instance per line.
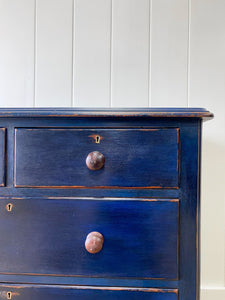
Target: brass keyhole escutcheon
x=97, y=139
x=9, y=207
x=9, y=295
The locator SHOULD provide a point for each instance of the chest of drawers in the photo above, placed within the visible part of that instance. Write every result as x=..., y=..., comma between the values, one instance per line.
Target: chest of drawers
x=100, y=204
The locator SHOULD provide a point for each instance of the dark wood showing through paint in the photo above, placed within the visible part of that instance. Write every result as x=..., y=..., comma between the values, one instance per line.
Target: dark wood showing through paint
x=106, y=112
x=43, y=236
x=145, y=202
x=132, y=158
x=38, y=292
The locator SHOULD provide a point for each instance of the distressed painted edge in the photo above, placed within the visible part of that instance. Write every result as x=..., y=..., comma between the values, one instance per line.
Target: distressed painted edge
x=83, y=287
x=198, y=225
x=106, y=112
x=93, y=187
x=141, y=199
x=82, y=276
x=174, y=200
x=86, y=276
x=97, y=187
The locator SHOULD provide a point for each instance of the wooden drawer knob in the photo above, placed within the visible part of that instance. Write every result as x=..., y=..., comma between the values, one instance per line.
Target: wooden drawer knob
x=95, y=160
x=94, y=242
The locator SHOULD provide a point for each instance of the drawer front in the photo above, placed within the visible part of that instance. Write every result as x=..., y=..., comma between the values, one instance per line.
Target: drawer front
x=47, y=236
x=38, y=292
x=2, y=157
x=133, y=158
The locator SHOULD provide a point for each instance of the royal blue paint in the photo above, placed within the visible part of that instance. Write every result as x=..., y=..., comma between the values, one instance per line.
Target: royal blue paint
x=133, y=158
x=137, y=242
x=152, y=244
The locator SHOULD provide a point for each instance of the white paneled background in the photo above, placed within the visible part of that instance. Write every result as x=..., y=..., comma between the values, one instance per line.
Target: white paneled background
x=127, y=53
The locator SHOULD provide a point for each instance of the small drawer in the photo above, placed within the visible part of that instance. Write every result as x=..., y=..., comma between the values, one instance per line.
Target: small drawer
x=2, y=156
x=39, y=292
x=132, y=238
x=98, y=158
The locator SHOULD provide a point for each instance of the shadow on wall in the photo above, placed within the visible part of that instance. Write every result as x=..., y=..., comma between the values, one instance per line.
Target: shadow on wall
x=213, y=212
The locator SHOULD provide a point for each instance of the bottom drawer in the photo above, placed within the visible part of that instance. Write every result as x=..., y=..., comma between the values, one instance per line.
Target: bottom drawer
x=40, y=292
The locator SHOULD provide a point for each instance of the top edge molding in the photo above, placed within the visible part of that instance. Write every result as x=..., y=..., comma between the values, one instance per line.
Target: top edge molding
x=107, y=112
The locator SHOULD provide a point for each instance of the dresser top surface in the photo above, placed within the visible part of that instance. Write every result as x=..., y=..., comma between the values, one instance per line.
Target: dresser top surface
x=107, y=112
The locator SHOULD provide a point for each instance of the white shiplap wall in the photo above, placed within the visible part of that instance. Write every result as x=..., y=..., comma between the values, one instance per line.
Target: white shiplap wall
x=127, y=53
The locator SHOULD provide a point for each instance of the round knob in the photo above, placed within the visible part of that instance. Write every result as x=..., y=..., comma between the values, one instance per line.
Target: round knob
x=95, y=160
x=94, y=242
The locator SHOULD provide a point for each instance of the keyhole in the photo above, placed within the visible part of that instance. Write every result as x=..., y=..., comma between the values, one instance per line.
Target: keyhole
x=97, y=139
x=9, y=295
x=9, y=207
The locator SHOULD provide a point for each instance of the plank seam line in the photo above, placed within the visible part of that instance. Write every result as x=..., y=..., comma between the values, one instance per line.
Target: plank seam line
x=35, y=53
x=111, y=53
x=72, y=67
x=149, y=54
x=188, y=53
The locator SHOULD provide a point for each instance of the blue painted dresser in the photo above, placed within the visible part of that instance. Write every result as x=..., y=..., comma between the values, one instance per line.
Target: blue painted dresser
x=100, y=204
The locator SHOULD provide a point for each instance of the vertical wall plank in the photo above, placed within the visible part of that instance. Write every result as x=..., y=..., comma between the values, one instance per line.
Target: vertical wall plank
x=130, y=53
x=16, y=52
x=207, y=88
x=54, y=53
x=169, y=52
x=92, y=29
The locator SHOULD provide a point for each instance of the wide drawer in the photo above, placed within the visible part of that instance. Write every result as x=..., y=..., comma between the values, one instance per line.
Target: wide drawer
x=38, y=292
x=47, y=236
x=134, y=158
